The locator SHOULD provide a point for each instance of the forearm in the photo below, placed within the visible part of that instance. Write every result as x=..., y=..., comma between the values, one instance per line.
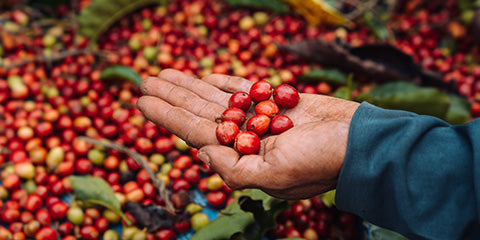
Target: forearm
x=413, y=174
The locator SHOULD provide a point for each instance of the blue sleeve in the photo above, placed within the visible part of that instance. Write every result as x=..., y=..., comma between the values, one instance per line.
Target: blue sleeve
x=414, y=174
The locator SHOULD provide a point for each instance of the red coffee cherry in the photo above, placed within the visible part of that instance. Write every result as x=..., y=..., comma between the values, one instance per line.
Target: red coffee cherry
x=259, y=124
x=226, y=132
x=240, y=100
x=235, y=115
x=280, y=124
x=267, y=107
x=286, y=96
x=247, y=143
x=261, y=91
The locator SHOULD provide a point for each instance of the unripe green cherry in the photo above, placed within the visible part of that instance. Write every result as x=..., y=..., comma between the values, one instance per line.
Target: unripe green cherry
x=75, y=215
x=199, y=220
x=110, y=234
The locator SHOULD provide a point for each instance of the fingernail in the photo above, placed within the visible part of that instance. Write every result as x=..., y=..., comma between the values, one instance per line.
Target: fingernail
x=204, y=157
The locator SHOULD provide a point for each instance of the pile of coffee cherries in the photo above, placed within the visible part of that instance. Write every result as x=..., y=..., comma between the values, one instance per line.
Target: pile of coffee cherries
x=266, y=119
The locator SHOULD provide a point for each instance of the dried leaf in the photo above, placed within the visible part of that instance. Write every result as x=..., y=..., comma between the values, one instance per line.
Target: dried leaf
x=150, y=216
x=377, y=63
x=318, y=12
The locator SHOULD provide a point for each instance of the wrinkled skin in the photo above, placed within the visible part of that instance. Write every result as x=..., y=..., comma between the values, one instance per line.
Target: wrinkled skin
x=299, y=163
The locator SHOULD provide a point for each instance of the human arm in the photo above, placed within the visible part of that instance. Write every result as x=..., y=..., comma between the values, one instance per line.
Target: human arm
x=414, y=174
x=299, y=163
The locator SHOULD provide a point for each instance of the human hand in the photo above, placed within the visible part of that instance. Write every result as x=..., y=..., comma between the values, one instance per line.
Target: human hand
x=299, y=163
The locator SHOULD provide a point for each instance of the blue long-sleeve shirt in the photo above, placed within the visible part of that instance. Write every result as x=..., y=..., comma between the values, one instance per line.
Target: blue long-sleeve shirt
x=414, y=174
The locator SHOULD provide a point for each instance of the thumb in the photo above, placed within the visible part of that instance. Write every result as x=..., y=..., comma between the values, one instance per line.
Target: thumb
x=219, y=158
x=229, y=165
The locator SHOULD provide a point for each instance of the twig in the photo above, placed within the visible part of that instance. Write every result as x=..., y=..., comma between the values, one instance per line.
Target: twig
x=54, y=57
x=140, y=159
x=361, y=8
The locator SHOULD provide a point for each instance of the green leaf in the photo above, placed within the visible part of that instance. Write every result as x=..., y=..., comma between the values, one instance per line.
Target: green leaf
x=378, y=233
x=341, y=92
x=328, y=198
x=119, y=72
x=346, y=91
x=251, y=214
x=364, y=96
x=332, y=76
x=465, y=4
x=232, y=220
x=378, y=28
x=408, y=96
x=95, y=190
x=459, y=110
x=100, y=14
x=276, y=6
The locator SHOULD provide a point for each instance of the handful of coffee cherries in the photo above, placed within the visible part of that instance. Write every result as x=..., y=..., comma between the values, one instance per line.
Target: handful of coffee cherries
x=266, y=119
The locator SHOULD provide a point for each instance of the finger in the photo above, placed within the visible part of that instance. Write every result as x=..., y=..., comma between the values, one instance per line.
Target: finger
x=228, y=83
x=237, y=172
x=201, y=88
x=195, y=130
x=181, y=97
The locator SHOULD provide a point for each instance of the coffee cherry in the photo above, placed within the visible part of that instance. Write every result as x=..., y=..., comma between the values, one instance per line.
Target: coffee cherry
x=110, y=234
x=180, y=184
x=58, y=210
x=199, y=220
x=46, y=233
x=31, y=228
x=165, y=234
x=34, y=202
x=226, y=132
x=216, y=198
x=65, y=228
x=259, y=124
x=192, y=175
x=89, y=233
x=182, y=162
x=214, y=183
x=286, y=96
x=247, y=143
x=267, y=107
x=240, y=100
x=280, y=123
x=9, y=215
x=235, y=115
x=101, y=224
x=43, y=216
x=261, y=91
x=75, y=215
x=181, y=226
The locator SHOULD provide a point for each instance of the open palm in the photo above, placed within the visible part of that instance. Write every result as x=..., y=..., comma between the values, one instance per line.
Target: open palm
x=299, y=163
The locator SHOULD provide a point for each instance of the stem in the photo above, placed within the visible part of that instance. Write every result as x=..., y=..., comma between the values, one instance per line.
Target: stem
x=140, y=159
x=361, y=8
x=54, y=57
